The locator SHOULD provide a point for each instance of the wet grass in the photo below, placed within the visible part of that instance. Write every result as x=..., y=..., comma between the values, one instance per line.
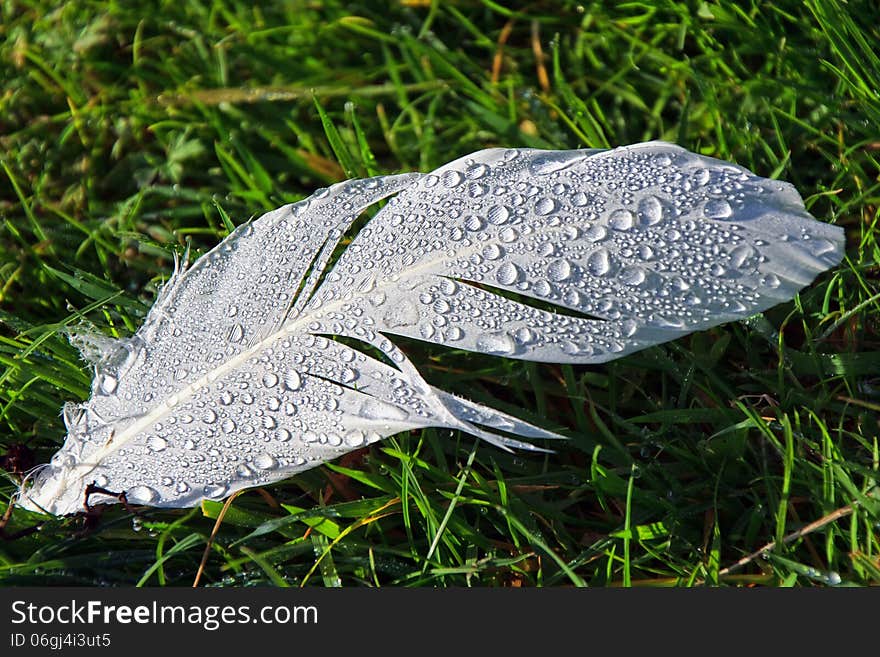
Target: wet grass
x=744, y=455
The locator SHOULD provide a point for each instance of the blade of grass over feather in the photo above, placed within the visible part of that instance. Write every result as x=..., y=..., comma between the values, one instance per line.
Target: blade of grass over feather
x=340, y=149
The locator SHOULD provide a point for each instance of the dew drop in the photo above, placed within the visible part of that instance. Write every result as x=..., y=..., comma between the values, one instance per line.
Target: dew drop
x=473, y=222
x=157, y=443
x=559, y=270
x=740, y=255
x=292, y=381
x=448, y=287
x=546, y=249
x=498, y=214
x=596, y=233
x=507, y=274
x=355, y=438
x=545, y=206
x=599, y=262
x=579, y=200
x=542, y=288
x=227, y=425
x=678, y=284
x=375, y=409
x=575, y=349
x=215, y=491
x=454, y=333
x=701, y=177
x=142, y=495
x=572, y=298
x=496, y=343
x=476, y=190
x=832, y=578
x=771, y=280
x=492, y=252
x=550, y=162
x=452, y=178
x=621, y=219
x=717, y=209
x=633, y=276
x=236, y=333
x=108, y=384
x=628, y=328
x=270, y=379
x=508, y=235
x=664, y=321
x=525, y=335
x=650, y=211
x=265, y=461
x=476, y=171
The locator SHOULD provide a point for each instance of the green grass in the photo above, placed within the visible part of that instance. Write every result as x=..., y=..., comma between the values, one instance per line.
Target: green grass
x=127, y=133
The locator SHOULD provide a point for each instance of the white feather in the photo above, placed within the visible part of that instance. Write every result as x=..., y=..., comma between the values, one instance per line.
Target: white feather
x=235, y=380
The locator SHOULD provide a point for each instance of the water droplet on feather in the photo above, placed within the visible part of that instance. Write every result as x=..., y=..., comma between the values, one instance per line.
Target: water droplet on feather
x=559, y=270
x=142, y=495
x=498, y=214
x=265, y=461
x=717, y=209
x=599, y=262
x=157, y=443
x=108, y=384
x=496, y=343
x=507, y=274
x=621, y=219
x=545, y=206
x=650, y=211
